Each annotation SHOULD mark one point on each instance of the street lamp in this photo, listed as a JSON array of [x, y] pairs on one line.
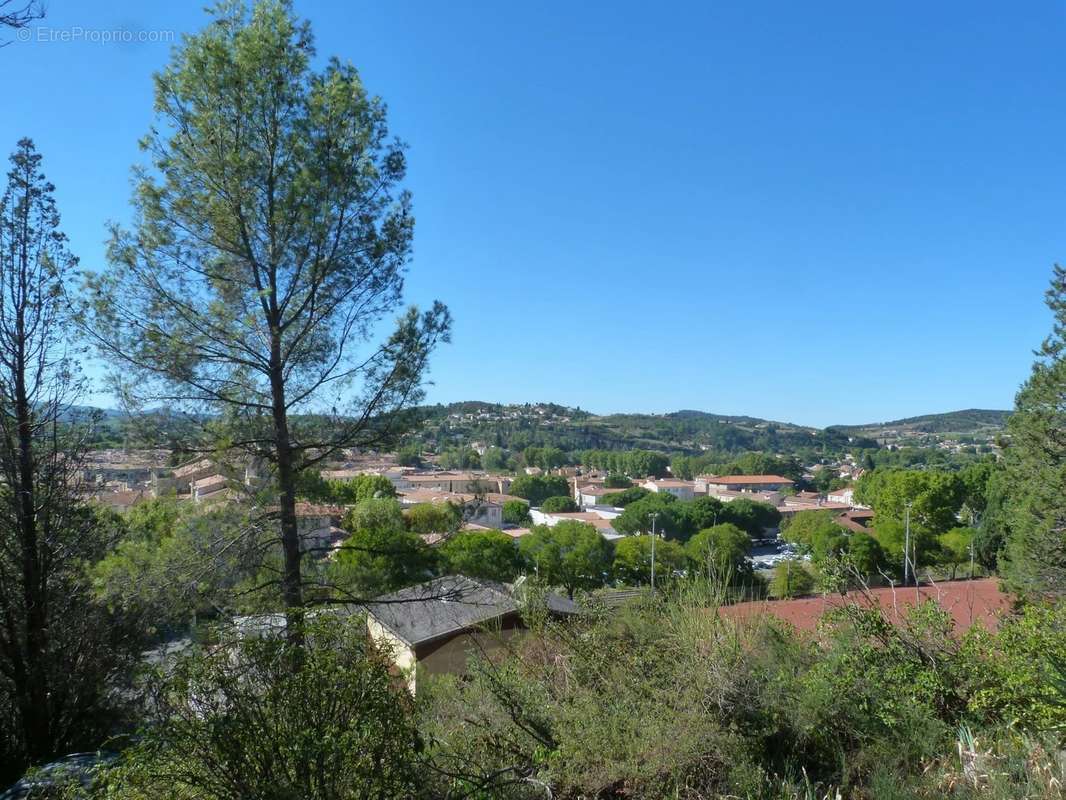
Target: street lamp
[[906, 541], [655, 516]]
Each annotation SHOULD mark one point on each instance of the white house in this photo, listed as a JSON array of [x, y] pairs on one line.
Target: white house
[[682, 490]]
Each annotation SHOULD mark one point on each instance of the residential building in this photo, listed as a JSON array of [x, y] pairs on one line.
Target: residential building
[[845, 495], [185, 475], [486, 509], [592, 494], [857, 520], [461, 482], [319, 528], [210, 488], [715, 484], [682, 490], [599, 518], [435, 627]]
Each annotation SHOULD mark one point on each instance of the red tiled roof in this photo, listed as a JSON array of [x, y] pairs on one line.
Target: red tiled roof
[[968, 603], [747, 479]]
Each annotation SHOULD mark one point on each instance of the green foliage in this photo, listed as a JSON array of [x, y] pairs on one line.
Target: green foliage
[[313, 487], [381, 514], [375, 560], [791, 579], [460, 458], [155, 519], [1011, 674], [666, 699], [494, 460], [516, 512], [410, 455], [381, 555], [570, 554], [659, 507], [558, 505], [426, 518], [721, 550], [631, 463], [995, 521], [1036, 463], [751, 515], [704, 512], [866, 554], [936, 497], [625, 497], [538, 488], [891, 535], [806, 526], [615, 481], [158, 580], [334, 729], [632, 559], [492, 555], [547, 458], [955, 547]]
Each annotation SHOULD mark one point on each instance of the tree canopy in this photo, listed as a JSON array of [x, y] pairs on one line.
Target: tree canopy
[[632, 559], [1036, 463], [571, 554], [270, 238], [721, 549], [482, 554], [538, 488]]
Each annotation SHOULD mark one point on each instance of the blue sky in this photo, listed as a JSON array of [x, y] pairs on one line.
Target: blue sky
[[827, 212]]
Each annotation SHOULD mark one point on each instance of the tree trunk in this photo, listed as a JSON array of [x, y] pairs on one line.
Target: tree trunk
[[34, 699], [291, 581]]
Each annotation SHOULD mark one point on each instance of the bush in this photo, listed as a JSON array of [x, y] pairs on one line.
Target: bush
[[492, 555], [791, 579], [333, 727], [625, 497], [559, 505], [538, 488], [516, 512]]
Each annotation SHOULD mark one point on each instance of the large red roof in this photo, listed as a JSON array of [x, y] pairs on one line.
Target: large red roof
[[968, 602], [747, 479]]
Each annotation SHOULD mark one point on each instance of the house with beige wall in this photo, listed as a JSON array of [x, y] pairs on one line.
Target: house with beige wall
[[434, 628]]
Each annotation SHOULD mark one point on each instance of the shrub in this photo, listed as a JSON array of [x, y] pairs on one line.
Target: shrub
[[559, 504], [334, 727]]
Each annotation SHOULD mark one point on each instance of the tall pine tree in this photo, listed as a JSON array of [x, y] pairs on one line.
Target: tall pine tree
[[1035, 557], [270, 240]]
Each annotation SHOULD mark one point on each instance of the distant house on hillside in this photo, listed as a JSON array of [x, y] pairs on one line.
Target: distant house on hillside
[[435, 627]]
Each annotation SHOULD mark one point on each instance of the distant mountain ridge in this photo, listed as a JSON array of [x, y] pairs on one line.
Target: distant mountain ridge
[[516, 426], [970, 420]]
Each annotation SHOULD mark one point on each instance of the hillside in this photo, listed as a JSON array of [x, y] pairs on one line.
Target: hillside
[[516, 427], [971, 421]]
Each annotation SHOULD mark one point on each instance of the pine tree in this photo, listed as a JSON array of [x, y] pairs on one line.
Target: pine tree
[[58, 650], [270, 240], [1035, 558]]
